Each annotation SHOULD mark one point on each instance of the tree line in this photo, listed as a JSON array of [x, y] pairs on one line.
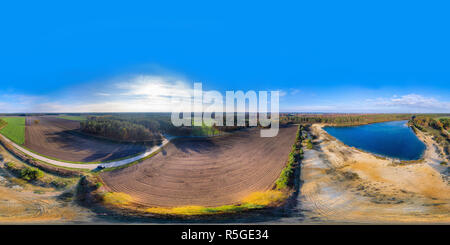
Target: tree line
[[145, 126], [342, 119], [438, 127], [116, 129]]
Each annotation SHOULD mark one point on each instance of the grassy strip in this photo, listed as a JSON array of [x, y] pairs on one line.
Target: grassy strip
[[14, 129], [25, 173], [284, 181], [204, 131], [37, 176]]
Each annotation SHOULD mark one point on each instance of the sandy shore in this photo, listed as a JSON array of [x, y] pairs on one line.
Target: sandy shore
[[343, 184]]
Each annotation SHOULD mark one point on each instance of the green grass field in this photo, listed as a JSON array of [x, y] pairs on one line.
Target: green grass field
[[74, 118], [14, 129]]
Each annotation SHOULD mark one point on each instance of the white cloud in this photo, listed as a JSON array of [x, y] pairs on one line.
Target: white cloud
[[413, 102], [314, 108], [294, 91], [409, 103], [142, 93], [149, 93], [16, 103]]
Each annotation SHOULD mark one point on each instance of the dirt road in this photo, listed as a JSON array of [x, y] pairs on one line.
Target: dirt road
[[89, 166]]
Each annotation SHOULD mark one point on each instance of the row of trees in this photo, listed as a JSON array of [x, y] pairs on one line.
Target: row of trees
[[445, 123], [128, 126], [427, 121], [342, 119], [116, 129], [145, 126], [437, 127], [295, 156]]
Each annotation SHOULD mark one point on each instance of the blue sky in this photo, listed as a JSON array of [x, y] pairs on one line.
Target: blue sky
[[330, 56]]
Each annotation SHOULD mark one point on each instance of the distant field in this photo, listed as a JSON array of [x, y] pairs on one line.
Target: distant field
[[74, 118], [15, 129], [444, 117], [53, 137]]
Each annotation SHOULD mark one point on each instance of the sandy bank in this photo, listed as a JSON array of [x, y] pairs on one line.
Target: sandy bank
[[343, 184]]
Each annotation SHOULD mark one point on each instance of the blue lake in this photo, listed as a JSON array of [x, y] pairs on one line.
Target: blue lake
[[390, 139]]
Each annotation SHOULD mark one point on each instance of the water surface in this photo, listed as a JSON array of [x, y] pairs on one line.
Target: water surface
[[389, 139]]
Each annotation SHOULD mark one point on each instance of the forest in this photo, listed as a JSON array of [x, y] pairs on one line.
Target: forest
[[116, 129], [146, 126], [438, 127]]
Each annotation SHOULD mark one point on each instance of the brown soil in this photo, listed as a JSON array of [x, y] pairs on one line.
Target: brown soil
[[206, 172], [343, 184], [57, 138]]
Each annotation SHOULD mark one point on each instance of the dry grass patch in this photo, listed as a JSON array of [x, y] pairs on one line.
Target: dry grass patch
[[117, 198], [265, 198], [253, 201], [185, 210]]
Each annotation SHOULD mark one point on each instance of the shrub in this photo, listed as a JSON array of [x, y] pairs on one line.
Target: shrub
[[10, 166], [59, 183], [350, 175], [98, 185], [31, 174], [295, 155]]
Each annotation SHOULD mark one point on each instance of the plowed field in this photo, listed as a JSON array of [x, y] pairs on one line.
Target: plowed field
[[206, 172], [57, 138]]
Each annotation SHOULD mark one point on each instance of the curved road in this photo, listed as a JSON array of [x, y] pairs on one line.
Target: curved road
[[90, 166]]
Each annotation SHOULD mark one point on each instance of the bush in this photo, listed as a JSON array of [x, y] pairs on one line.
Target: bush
[[296, 154], [31, 174], [309, 144], [351, 175], [98, 185], [10, 166]]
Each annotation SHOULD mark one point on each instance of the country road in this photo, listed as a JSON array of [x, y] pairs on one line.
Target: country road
[[90, 166]]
